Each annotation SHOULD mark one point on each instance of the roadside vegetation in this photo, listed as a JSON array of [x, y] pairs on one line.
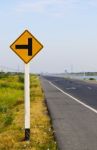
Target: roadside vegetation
[[92, 79], [12, 115]]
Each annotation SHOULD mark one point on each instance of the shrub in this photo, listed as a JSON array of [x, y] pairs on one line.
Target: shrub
[[8, 119], [21, 78], [3, 109], [91, 78]]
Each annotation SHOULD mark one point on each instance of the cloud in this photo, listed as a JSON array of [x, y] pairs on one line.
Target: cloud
[[38, 6], [53, 7], [93, 3]]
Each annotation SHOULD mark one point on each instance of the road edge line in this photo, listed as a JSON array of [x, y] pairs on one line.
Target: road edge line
[[77, 100]]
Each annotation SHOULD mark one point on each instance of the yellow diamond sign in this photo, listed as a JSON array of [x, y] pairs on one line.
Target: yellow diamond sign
[[26, 46]]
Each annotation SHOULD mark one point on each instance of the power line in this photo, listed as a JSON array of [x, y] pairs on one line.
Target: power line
[[8, 69]]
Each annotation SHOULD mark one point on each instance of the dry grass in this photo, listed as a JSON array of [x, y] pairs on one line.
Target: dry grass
[[11, 136]]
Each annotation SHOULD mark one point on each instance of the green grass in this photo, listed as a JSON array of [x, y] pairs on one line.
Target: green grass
[[12, 115], [11, 91]]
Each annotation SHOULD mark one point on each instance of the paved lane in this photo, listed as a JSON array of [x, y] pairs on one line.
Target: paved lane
[[85, 92], [75, 126]]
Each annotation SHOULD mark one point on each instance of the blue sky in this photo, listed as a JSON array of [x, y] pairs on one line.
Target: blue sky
[[66, 28]]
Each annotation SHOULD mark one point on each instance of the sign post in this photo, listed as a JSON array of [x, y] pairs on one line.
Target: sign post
[[27, 103], [26, 47]]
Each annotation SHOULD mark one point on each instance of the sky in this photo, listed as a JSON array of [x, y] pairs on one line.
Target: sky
[[66, 28]]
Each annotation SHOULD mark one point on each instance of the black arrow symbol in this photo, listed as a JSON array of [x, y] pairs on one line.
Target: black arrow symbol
[[29, 46]]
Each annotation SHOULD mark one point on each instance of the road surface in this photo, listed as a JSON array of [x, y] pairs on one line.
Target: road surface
[[72, 105], [84, 91]]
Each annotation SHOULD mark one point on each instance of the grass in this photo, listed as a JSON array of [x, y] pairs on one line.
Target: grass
[[12, 115]]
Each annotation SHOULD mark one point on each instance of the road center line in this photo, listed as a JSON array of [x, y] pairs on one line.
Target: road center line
[[71, 88], [89, 88], [85, 105]]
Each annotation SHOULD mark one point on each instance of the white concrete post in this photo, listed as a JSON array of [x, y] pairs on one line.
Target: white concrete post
[[27, 103]]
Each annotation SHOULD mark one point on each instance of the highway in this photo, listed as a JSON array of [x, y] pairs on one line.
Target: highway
[[84, 91], [72, 105]]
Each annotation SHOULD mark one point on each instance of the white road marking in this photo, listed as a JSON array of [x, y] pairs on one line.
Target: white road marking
[[71, 88], [89, 88], [85, 105]]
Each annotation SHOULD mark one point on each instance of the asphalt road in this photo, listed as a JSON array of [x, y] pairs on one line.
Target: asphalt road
[[75, 126], [84, 91]]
